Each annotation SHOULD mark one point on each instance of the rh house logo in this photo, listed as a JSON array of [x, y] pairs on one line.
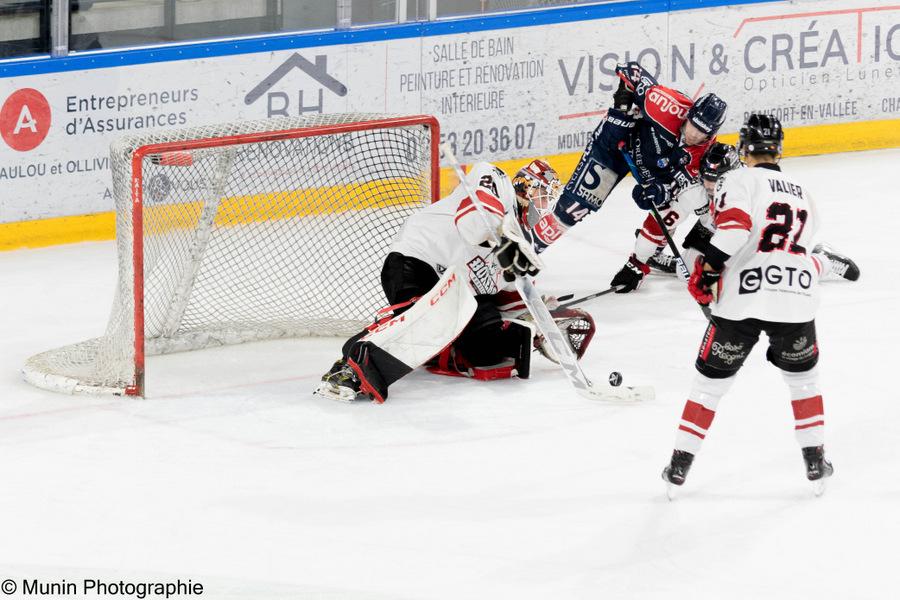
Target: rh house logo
[[279, 103], [25, 119]]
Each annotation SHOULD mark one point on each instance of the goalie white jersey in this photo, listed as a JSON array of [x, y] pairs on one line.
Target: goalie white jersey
[[766, 222], [452, 232]]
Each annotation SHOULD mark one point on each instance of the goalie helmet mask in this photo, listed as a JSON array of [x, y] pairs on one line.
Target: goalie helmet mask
[[537, 188], [761, 134], [707, 114]]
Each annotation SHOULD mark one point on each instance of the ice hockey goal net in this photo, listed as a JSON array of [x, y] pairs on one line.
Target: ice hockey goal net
[[248, 231]]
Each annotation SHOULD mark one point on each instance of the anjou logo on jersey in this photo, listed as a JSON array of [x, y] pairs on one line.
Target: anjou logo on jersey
[[548, 230], [752, 279], [667, 104]]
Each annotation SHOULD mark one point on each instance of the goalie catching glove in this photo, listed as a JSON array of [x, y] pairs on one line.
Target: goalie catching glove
[[577, 327]]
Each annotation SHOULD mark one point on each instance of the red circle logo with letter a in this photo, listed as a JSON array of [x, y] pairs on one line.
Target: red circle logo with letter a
[[25, 119]]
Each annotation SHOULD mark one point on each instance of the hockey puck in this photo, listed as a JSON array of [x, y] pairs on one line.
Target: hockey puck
[[615, 379]]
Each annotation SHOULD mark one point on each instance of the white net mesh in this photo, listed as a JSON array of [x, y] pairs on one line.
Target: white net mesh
[[279, 235]]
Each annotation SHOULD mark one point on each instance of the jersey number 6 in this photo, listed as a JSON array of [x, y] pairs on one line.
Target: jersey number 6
[[775, 236]]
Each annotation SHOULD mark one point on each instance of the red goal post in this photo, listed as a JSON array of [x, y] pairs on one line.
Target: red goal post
[[248, 231]]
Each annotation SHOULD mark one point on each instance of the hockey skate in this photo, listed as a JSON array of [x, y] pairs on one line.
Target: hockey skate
[[841, 266], [662, 262], [676, 471], [339, 383], [818, 468]]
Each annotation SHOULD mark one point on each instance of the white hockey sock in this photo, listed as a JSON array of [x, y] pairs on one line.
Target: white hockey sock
[[699, 411], [806, 400], [823, 263]]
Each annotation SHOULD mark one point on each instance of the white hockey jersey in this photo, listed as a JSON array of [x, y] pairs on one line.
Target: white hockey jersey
[[451, 230], [691, 200], [766, 222]]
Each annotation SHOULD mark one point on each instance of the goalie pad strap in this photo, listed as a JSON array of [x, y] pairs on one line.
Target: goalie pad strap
[[389, 312]]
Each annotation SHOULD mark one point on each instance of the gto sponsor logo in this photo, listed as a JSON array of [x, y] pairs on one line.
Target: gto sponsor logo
[[751, 280]]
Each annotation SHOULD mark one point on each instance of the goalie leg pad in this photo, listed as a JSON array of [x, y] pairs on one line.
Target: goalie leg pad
[[397, 346], [376, 369]]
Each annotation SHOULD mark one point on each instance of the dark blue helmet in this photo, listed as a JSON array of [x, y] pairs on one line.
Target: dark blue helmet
[[708, 113], [761, 133], [718, 160]]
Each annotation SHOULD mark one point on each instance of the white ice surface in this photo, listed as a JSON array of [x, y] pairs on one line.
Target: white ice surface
[[234, 475]]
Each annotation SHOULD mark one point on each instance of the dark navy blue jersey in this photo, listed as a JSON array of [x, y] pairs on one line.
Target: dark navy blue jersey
[[655, 143]]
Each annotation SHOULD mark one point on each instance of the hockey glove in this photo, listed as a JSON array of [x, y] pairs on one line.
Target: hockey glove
[[513, 261], [577, 327], [652, 194], [632, 73], [703, 283], [697, 238], [630, 277], [623, 98]]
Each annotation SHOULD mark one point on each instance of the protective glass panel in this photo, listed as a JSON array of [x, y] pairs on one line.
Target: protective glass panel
[[24, 28]]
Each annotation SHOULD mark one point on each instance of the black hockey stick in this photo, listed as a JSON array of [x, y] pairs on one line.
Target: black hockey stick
[[679, 262], [609, 290]]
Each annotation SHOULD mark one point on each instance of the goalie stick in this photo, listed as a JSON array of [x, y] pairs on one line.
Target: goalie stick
[[682, 269], [546, 325]]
